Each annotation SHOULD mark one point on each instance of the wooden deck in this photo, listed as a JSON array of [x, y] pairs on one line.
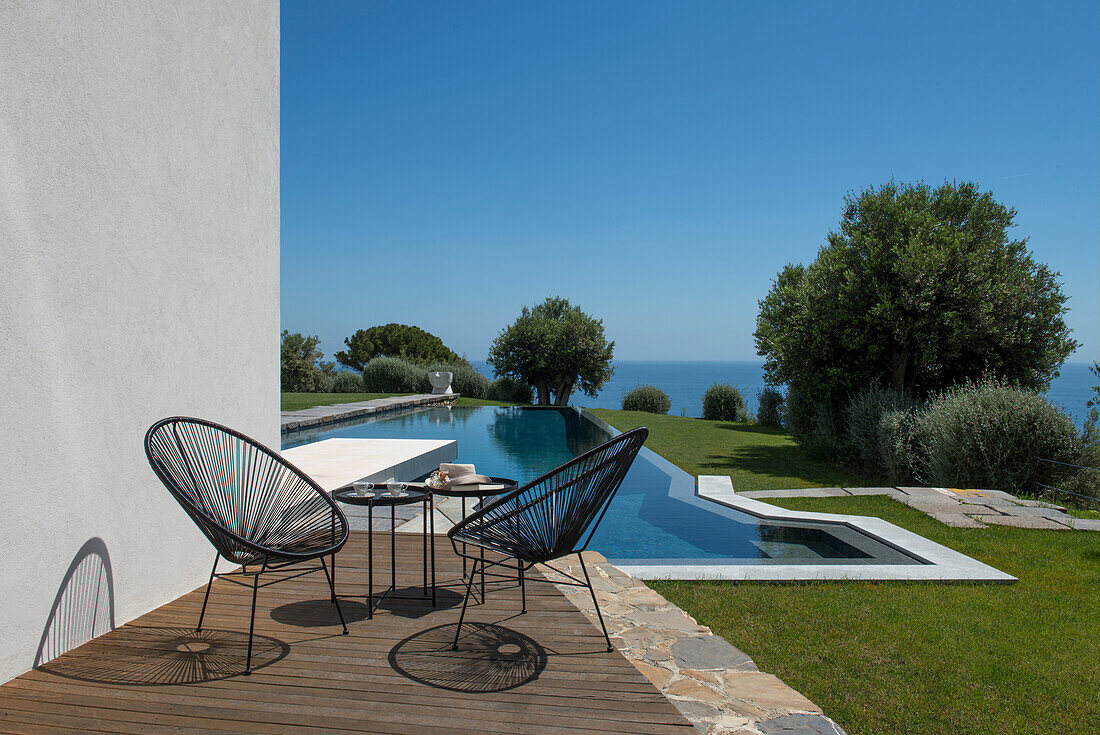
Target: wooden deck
[[546, 671]]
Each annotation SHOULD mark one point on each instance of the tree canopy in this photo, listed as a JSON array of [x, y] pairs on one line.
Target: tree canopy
[[918, 290], [555, 347], [302, 370], [395, 340]]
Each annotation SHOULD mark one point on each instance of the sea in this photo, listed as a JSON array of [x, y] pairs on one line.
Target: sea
[[685, 383]]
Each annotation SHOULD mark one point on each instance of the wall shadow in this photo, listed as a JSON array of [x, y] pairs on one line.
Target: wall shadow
[[490, 658], [84, 606]]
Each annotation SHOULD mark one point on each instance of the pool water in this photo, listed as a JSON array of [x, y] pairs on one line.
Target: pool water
[[656, 517]]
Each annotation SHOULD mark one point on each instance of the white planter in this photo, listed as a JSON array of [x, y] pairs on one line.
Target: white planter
[[441, 383]]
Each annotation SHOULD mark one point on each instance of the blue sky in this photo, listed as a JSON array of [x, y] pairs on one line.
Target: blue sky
[[445, 163]]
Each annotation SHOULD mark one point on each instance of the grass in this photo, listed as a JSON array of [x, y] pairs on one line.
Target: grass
[[930, 659], [298, 401], [755, 457], [1083, 513]]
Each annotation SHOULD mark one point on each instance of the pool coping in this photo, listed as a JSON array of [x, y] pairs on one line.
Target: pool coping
[[308, 418], [942, 564]]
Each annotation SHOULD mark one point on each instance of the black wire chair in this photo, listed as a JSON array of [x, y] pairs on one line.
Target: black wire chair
[[259, 511], [548, 518]]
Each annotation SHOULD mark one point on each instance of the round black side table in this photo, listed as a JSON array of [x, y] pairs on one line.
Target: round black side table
[[382, 498], [498, 486]]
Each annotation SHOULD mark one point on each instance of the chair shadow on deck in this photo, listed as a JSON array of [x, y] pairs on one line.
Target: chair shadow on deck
[[492, 658], [318, 613], [137, 656], [84, 606]]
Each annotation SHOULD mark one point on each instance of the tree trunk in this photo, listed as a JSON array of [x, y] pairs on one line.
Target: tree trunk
[[899, 367], [562, 393], [543, 392]]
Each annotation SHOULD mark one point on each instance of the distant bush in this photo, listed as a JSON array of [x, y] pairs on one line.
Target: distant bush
[[394, 375], [648, 398], [326, 381], [723, 402], [346, 381], [464, 380], [989, 435], [770, 410], [509, 390], [865, 422]]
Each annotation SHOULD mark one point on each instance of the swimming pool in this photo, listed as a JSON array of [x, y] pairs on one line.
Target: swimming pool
[[656, 517]]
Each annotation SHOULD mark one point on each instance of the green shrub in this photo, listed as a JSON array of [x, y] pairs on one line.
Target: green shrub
[[1081, 481], [770, 409], [897, 444], [394, 375], [989, 435], [464, 379], [865, 417], [723, 402], [647, 398], [816, 426], [509, 390], [346, 381]]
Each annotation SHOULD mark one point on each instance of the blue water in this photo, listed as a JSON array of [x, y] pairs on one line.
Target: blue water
[[685, 383], [655, 517]]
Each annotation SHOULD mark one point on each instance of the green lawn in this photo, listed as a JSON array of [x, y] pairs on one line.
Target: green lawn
[[950, 659], [756, 457]]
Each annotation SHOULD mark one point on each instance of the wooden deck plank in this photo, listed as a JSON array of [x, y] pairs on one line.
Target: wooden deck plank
[[392, 674]]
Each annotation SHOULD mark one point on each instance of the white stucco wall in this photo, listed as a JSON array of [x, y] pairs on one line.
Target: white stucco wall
[[139, 278]]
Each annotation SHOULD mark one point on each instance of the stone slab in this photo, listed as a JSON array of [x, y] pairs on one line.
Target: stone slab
[[1037, 522], [1084, 524], [333, 463], [799, 724], [702, 653], [956, 520], [871, 491], [1025, 510]]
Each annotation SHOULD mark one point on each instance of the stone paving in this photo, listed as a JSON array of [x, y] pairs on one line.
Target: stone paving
[[955, 507], [716, 686], [318, 415]]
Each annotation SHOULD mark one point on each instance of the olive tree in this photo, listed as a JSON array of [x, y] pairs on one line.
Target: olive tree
[[919, 289], [555, 347], [395, 340], [301, 367]]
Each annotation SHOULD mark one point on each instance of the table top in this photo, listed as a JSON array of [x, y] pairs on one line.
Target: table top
[[500, 486], [381, 497]]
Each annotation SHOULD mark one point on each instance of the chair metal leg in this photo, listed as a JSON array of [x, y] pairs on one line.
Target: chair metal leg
[[206, 597], [332, 588], [595, 604], [251, 625], [522, 589], [465, 601]]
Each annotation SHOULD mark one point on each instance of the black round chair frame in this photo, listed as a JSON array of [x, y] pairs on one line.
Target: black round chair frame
[[292, 526], [550, 517]]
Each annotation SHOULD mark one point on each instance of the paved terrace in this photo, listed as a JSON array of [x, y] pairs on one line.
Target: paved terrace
[[546, 671]]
